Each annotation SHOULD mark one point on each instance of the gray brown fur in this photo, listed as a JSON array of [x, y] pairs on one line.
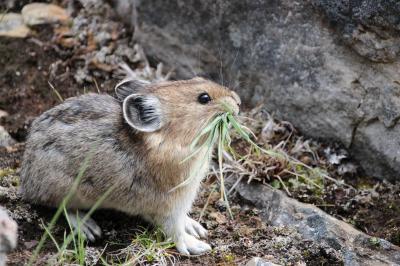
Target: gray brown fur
[[143, 166]]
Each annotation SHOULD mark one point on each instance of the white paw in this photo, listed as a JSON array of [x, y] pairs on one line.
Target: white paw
[[89, 229], [194, 228], [189, 245]]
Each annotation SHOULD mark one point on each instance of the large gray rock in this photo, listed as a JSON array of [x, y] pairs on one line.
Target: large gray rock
[[331, 67], [355, 247]]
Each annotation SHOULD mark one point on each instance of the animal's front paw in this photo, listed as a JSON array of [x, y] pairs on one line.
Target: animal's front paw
[[91, 231], [189, 245], [194, 228]]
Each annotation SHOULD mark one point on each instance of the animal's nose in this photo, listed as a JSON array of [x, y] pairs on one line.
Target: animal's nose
[[237, 101], [232, 104], [236, 110], [237, 98]]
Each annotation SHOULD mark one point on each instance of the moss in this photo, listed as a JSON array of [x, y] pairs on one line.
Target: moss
[[15, 182], [5, 172], [306, 254], [229, 258], [374, 241], [365, 184]]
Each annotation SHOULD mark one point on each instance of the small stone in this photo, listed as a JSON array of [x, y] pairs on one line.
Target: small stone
[[5, 138], [12, 25], [92, 256], [8, 233], [257, 261], [30, 244], [3, 114], [41, 13], [218, 217]]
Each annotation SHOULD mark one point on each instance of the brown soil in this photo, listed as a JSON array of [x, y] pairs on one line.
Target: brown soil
[[24, 80]]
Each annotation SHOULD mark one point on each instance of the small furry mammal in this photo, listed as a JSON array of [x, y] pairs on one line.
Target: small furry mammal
[[137, 142]]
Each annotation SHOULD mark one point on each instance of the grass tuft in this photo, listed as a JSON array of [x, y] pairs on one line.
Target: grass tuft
[[76, 255], [59, 211], [148, 247], [222, 132]]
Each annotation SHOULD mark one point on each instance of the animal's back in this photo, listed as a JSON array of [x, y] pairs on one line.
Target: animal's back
[[61, 139]]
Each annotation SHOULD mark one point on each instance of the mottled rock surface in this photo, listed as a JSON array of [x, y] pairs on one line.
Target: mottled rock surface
[[256, 261], [370, 27], [42, 13], [355, 247], [12, 25], [5, 138], [8, 235], [329, 67]]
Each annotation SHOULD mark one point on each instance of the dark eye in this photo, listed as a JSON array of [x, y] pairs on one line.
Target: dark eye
[[204, 98]]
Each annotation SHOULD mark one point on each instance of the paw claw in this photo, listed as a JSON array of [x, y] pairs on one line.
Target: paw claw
[[89, 228], [195, 229], [188, 244]]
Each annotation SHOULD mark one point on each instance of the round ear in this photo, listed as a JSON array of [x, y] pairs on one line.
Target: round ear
[[143, 112], [128, 87]]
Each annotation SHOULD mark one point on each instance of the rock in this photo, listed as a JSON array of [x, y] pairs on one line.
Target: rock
[[5, 138], [92, 256], [41, 13], [3, 114], [8, 235], [356, 247], [369, 27], [338, 81], [256, 261], [12, 25]]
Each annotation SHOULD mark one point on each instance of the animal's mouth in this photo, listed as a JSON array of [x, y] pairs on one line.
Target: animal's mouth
[[230, 105], [218, 114]]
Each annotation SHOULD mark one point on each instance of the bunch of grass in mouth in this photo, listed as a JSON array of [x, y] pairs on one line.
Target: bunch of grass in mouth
[[217, 132]]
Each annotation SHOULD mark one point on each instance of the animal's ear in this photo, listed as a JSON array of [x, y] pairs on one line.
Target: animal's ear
[[128, 87], [143, 112]]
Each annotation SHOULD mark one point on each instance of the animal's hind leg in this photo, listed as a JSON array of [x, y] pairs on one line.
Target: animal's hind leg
[[89, 228]]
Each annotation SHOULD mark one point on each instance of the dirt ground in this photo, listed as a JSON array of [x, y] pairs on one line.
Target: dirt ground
[[73, 64]]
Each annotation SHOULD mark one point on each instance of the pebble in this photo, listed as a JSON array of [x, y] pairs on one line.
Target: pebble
[[257, 261], [12, 25], [5, 138], [3, 114], [8, 235], [41, 13]]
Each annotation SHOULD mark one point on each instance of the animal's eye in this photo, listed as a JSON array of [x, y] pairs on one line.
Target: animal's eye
[[204, 98]]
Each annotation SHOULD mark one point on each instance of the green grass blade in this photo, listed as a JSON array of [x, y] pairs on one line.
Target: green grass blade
[[87, 215], [209, 128], [239, 128], [209, 144], [60, 209]]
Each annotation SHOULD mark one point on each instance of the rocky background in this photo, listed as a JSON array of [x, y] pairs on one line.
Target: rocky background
[[331, 67]]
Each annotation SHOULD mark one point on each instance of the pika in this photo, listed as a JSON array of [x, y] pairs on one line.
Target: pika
[[138, 142]]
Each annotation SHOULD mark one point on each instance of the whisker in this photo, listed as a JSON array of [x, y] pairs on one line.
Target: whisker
[[231, 68], [221, 67]]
